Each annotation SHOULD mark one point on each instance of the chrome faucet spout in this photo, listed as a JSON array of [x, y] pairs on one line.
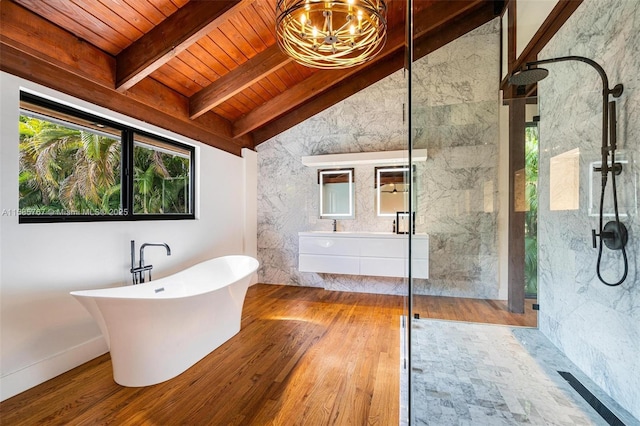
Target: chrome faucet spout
[[138, 273], [165, 245]]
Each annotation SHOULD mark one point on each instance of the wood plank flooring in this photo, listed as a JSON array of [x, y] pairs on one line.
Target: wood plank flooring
[[304, 356], [474, 310]]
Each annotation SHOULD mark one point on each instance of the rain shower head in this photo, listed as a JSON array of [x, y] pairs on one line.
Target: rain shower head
[[613, 234], [528, 76]]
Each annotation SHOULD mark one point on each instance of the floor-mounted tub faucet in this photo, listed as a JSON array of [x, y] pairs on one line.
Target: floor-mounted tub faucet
[[138, 273]]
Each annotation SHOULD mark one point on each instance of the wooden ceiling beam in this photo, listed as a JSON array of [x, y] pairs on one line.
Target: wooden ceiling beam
[[31, 34], [173, 35], [360, 80], [435, 38], [440, 13], [35, 69], [308, 88], [434, 16], [428, 41], [57, 59], [237, 80], [551, 25]]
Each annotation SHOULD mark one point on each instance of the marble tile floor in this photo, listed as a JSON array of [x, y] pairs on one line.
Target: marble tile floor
[[480, 374]]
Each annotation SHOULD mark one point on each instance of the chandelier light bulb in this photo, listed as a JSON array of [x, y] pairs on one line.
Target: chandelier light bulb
[[337, 41]]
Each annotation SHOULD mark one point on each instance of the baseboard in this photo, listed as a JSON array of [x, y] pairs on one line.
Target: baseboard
[[254, 279], [35, 374]]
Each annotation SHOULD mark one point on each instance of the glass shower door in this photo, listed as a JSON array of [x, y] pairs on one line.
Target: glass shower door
[[409, 126], [454, 115]]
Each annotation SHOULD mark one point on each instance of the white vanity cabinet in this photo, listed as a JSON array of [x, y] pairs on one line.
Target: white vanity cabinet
[[363, 253]]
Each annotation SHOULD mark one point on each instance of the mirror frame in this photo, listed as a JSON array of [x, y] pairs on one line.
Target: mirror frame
[[378, 186], [351, 179]]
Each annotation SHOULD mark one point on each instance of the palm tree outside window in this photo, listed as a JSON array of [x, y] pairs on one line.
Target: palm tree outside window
[[75, 167]]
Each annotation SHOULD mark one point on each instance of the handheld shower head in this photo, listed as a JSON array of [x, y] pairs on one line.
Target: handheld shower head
[[613, 234], [528, 76]]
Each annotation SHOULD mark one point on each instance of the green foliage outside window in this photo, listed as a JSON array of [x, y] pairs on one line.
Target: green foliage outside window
[[64, 170], [531, 216], [68, 169], [161, 182]]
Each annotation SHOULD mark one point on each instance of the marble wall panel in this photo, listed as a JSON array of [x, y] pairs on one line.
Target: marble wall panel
[[596, 326], [455, 116]]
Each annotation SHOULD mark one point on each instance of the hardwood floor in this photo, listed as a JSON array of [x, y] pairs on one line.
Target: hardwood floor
[[303, 356], [474, 310]]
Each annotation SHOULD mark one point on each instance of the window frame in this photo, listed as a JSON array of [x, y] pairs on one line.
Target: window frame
[[127, 146]]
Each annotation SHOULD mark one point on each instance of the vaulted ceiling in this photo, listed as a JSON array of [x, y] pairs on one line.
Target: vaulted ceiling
[[208, 69]]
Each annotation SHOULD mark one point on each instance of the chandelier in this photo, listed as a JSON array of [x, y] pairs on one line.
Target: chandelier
[[331, 34]]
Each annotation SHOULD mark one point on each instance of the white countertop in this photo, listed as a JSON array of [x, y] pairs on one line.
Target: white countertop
[[347, 234]]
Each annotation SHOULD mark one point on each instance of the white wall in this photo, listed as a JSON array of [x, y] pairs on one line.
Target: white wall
[[44, 331], [530, 15], [250, 239]]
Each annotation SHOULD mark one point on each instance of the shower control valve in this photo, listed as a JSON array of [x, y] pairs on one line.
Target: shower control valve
[[616, 168], [613, 235]]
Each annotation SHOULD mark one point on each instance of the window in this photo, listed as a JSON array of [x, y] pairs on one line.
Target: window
[[77, 167], [161, 177]]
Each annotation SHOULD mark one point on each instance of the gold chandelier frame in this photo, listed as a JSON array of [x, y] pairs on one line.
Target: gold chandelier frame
[[331, 34]]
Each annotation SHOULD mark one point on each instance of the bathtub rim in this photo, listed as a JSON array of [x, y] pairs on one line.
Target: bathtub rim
[[114, 292]]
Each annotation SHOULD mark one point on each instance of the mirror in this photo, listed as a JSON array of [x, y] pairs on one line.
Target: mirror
[[336, 194], [392, 190]]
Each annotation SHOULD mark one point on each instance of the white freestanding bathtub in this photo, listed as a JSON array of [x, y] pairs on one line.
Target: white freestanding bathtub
[[158, 329]]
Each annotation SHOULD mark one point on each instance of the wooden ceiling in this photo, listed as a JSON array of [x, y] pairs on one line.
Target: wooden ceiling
[[208, 69]]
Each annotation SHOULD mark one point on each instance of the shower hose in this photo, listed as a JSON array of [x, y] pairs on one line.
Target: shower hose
[[615, 207]]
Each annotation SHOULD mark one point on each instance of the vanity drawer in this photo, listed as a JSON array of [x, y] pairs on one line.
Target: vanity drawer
[[329, 246], [383, 267], [383, 247], [420, 268], [329, 264], [387, 267], [420, 248], [362, 254]]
